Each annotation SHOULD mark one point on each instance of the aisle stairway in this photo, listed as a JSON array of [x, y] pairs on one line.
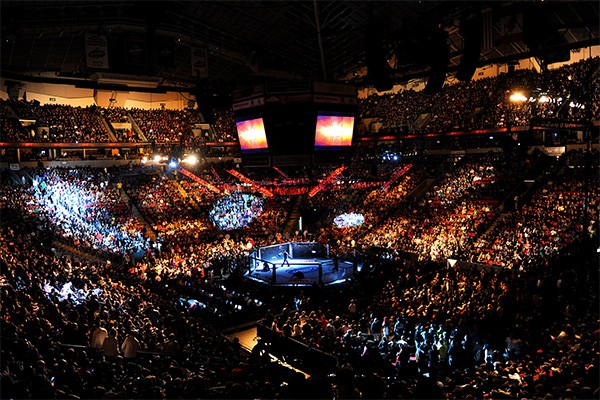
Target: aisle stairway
[[184, 193], [137, 215], [294, 216], [492, 226], [108, 129], [136, 128]]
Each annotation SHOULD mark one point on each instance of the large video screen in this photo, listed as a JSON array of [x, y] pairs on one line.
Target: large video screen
[[334, 130], [252, 135]]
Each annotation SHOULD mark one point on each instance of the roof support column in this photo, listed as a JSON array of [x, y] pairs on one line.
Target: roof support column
[[321, 51]]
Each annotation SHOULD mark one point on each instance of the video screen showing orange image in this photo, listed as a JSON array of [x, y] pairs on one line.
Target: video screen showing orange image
[[334, 130], [252, 135]]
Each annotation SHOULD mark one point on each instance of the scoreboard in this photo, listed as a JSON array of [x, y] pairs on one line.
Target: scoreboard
[[292, 121]]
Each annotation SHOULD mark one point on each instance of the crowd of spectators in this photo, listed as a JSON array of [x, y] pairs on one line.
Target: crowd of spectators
[[115, 114], [163, 205], [454, 211], [146, 326], [236, 211], [58, 123], [166, 126], [486, 103], [224, 126], [128, 339], [84, 207], [464, 333], [563, 210], [12, 129], [567, 93]]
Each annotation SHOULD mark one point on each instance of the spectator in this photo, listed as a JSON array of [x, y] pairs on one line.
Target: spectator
[[110, 346], [98, 336], [131, 346]]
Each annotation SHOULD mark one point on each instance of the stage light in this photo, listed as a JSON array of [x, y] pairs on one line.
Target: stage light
[[156, 158], [544, 99], [191, 159], [173, 164], [144, 160], [517, 97]]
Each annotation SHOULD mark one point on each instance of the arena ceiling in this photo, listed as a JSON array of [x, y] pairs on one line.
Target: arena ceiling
[[361, 42]]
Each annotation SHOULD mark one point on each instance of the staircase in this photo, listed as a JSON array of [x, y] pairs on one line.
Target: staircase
[[490, 228], [422, 120], [136, 128], [138, 216], [16, 176], [293, 218], [108, 128], [418, 192], [185, 194]]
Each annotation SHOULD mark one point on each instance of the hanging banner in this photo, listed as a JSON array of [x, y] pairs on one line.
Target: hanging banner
[[135, 50], [96, 51], [199, 62], [165, 54]]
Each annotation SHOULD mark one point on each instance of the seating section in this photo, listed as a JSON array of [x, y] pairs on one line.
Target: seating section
[[567, 93], [161, 302], [478, 270]]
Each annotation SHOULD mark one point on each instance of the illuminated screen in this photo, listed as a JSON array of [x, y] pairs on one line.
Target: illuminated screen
[[334, 130], [252, 134]]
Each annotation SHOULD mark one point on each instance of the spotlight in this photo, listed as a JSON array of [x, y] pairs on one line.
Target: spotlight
[[517, 97], [173, 164], [191, 159], [156, 158]]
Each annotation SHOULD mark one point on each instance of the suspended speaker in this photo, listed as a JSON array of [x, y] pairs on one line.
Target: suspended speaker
[[471, 30], [377, 67], [439, 62]]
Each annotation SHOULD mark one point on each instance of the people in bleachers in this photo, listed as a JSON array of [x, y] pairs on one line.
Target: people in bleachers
[[224, 125], [83, 207], [58, 123], [410, 322], [566, 93], [166, 126], [485, 103], [563, 210], [465, 292]]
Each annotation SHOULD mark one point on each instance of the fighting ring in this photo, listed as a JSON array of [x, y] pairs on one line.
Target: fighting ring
[[299, 264]]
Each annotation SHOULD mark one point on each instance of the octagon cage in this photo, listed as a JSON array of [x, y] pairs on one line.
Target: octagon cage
[[299, 264]]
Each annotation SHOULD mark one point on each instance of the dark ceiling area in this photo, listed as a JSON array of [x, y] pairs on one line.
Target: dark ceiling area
[[227, 44]]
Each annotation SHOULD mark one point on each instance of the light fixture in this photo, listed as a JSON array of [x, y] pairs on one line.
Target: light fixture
[[517, 97]]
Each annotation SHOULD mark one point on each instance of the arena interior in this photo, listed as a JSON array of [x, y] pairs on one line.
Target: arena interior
[[299, 199]]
